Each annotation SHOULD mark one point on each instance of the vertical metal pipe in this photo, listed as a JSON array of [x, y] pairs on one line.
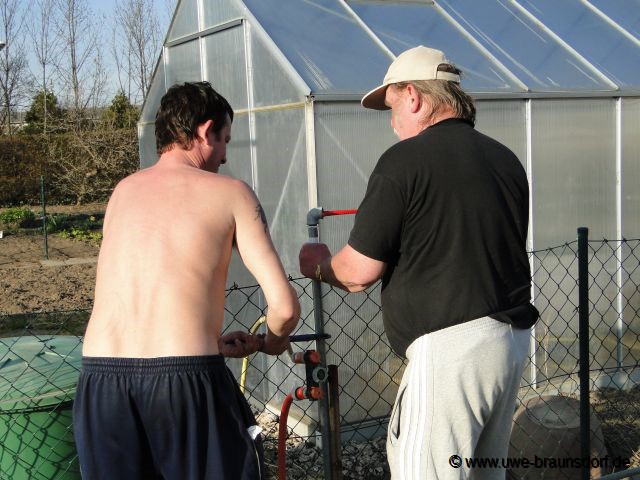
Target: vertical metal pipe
[[44, 218], [323, 404], [620, 325], [313, 218], [533, 344], [583, 335], [334, 417]]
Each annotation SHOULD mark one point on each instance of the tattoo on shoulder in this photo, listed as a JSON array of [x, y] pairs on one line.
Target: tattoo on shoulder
[[263, 218]]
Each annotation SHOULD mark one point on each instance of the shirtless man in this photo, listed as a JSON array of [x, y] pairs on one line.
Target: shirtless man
[[155, 399]]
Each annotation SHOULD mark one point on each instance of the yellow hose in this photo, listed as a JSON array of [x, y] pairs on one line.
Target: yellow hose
[[245, 360]]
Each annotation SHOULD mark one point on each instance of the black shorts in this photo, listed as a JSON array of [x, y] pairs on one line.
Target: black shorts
[[173, 418]]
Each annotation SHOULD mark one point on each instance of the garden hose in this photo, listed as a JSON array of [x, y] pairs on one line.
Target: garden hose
[[245, 360], [282, 437]]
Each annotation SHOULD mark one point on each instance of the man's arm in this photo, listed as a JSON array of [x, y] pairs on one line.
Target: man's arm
[[260, 257], [348, 269]]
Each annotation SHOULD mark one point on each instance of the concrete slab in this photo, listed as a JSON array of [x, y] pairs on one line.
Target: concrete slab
[[68, 261]]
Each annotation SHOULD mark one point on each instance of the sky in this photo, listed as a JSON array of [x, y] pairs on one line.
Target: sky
[[106, 8]]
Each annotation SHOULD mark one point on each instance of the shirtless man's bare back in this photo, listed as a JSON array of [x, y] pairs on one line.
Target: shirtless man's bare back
[[162, 269]]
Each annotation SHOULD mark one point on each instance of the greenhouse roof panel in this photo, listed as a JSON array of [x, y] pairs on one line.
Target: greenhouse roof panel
[[342, 48], [402, 26], [324, 43], [532, 52], [625, 13], [590, 33]]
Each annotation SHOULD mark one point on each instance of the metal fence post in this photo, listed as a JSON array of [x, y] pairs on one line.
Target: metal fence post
[[43, 199], [583, 335]]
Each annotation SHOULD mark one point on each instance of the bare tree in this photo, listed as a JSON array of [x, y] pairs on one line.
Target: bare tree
[[123, 65], [15, 77], [41, 32], [140, 41], [80, 68]]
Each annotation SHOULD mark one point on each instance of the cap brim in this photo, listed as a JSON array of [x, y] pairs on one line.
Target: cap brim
[[375, 98]]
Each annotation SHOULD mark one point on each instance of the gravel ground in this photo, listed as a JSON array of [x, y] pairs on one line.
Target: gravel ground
[[360, 460]]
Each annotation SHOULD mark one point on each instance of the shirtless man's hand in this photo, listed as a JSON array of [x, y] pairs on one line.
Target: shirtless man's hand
[[240, 344]]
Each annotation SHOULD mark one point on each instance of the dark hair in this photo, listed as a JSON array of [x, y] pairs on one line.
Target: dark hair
[[183, 108]]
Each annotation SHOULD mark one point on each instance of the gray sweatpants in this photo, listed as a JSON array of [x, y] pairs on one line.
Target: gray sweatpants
[[457, 397]]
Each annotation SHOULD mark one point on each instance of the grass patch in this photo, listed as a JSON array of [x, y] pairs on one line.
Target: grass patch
[[87, 228]]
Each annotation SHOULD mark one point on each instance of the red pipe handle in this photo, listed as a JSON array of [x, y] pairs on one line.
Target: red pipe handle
[[329, 213]]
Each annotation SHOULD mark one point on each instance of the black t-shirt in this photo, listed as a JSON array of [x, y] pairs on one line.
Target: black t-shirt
[[447, 211]]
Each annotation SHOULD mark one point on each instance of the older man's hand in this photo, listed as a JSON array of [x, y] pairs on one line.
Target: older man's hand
[[240, 344], [311, 255]]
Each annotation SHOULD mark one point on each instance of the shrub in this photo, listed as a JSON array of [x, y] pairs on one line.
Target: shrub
[[17, 217], [83, 234]]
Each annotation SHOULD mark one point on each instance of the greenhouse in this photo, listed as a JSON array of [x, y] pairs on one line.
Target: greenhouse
[[557, 82]]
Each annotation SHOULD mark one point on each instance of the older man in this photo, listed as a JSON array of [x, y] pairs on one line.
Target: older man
[[444, 224], [155, 399]]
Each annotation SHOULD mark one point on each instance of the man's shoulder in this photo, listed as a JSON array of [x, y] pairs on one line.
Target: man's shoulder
[[399, 157], [199, 182], [233, 184]]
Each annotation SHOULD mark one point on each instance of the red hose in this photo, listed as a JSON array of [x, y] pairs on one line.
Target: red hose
[[329, 213], [282, 437]]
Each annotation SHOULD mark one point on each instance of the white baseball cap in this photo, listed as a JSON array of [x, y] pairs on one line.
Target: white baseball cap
[[419, 63]]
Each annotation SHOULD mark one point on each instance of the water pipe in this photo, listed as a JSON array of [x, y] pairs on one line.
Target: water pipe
[[245, 360], [316, 375]]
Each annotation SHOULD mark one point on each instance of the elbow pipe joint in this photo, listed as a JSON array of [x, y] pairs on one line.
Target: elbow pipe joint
[[314, 216]]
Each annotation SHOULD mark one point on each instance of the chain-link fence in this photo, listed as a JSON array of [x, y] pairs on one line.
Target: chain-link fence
[[40, 355]]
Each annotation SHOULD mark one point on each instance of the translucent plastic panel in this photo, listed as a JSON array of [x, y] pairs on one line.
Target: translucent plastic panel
[[324, 44], [625, 13], [238, 151], [574, 169], [349, 142], [155, 93], [631, 168], [282, 180], [369, 372], [185, 20], [631, 229], [523, 46], [225, 65], [555, 278], [504, 121], [147, 147], [219, 12], [271, 84], [402, 26], [615, 55], [629, 329], [554, 273], [183, 63], [604, 291]]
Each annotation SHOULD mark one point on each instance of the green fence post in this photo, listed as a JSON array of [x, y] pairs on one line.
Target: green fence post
[[44, 218], [583, 336]]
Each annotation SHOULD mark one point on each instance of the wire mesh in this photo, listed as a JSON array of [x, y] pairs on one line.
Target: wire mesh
[[546, 416]]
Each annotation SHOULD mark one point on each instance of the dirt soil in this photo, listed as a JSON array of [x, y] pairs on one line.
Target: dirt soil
[[29, 283]]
